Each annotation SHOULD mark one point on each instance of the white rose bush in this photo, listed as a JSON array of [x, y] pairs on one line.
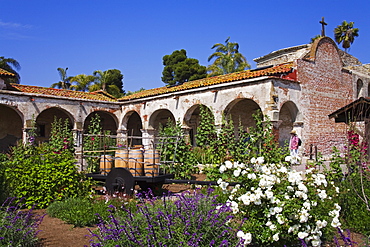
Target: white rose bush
[[278, 205]]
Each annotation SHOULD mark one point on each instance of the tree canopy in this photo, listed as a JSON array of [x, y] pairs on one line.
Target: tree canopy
[[345, 34], [64, 82], [109, 81], [11, 65], [228, 59], [179, 68], [82, 82]]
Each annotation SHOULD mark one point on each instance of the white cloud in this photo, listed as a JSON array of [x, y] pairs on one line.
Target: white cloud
[[13, 25]]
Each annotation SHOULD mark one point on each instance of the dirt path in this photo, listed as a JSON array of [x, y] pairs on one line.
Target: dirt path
[[56, 233]]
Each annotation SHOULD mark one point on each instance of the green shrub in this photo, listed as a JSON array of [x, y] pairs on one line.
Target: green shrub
[[46, 173], [174, 148], [354, 183], [41, 176], [356, 216], [79, 211]]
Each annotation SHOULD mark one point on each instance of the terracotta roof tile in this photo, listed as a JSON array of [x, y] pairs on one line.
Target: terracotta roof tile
[[246, 74], [97, 95], [3, 72]]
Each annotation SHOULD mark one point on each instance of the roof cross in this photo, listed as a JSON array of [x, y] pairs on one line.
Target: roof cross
[[323, 24]]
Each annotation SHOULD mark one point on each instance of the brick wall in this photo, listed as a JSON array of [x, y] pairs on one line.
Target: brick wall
[[325, 88]]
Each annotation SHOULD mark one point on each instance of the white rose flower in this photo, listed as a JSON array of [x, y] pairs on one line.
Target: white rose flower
[[272, 227], [228, 164], [247, 237], [322, 194], [280, 219], [252, 176], [276, 237], [302, 187], [293, 228], [260, 160], [335, 222], [302, 235], [278, 210], [269, 194], [316, 242], [222, 168], [321, 224], [253, 160], [223, 185], [237, 172]]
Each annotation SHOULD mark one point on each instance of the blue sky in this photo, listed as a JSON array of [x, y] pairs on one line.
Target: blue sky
[[134, 35]]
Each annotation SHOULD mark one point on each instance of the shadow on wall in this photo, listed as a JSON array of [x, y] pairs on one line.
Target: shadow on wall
[[7, 142]]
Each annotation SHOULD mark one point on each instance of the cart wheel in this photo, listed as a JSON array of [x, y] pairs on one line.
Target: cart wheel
[[156, 188], [119, 180]]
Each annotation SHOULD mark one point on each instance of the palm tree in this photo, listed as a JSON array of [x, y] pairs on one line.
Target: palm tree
[[345, 33], [10, 65], [64, 82], [82, 82], [101, 80], [228, 59]]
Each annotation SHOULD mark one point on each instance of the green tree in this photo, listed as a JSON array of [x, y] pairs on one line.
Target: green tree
[[109, 81], [345, 34], [133, 92], [10, 65], [179, 68], [82, 82], [228, 59], [64, 82]]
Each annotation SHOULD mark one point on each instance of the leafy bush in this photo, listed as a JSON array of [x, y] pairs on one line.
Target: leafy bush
[[46, 173], [354, 182], [173, 147], [189, 219], [41, 176], [18, 228], [355, 212], [79, 211]]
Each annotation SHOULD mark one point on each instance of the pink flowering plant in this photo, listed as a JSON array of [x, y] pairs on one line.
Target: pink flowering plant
[[282, 206]]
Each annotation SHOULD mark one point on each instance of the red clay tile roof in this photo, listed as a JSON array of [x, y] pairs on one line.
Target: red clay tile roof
[[97, 95], [246, 74], [3, 72]]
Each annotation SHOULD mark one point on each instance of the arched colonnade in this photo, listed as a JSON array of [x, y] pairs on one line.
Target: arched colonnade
[[126, 120]]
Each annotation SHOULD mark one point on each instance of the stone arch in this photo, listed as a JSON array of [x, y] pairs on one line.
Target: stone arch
[[134, 125], [109, 121], [160, 118], [11, 124], [192, 120], [359, 88], [289, 114], [46, 118], [241, 112]]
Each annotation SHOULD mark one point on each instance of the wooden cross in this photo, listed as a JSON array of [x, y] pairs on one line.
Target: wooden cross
[[323, 24]]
